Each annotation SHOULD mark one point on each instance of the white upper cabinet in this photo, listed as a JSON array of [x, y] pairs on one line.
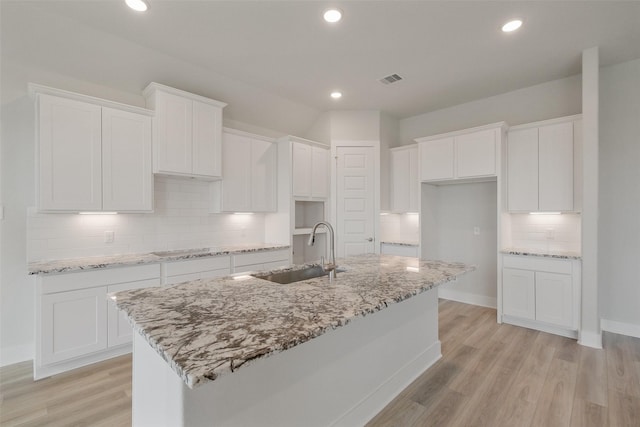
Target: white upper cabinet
[[470, 154], [250, 173], [187, 132], [92, 157], [405, 184], [310, 170], [540, 164]]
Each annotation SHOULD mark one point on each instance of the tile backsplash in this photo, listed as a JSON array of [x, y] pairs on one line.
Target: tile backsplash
[[400, 228], [546, 232], [180, 220]]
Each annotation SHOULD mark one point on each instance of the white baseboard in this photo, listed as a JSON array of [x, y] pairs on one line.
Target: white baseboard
[[590, 339], [467, 298], [621, 328], [16, 354]]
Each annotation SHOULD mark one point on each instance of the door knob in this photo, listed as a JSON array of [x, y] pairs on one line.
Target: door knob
[[370, 239]]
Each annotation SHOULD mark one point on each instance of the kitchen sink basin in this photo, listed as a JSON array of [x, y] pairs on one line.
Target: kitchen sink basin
[[291, 276]]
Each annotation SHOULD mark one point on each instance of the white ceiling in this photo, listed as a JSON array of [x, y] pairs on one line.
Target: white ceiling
[[448, 52]]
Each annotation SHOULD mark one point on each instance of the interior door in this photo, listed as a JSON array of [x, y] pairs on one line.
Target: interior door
[[355, 201]]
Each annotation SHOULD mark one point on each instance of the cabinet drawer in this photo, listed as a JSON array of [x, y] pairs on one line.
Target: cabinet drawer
[[95, 278], [550, 265], [260, 257], [176, 268], [172, 280]]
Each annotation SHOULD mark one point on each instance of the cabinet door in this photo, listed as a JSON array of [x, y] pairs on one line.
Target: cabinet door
[[400, 177], [127, 177], [555, 145], [207, 136], [119, 330], [436, 160], [263, 176], [518, 293], [522, 170], [70, 176], [414, 180], [319, 172], [301, 169], [476, 154], [73, 324], [236, 163], [554, 298], [173, 134]]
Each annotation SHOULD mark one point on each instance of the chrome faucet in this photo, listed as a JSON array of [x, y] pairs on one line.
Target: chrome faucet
[[331, 267]]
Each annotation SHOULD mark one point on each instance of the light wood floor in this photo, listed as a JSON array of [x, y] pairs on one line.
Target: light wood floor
[[489, 375]]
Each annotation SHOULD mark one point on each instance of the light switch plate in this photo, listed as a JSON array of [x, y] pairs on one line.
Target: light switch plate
[[109, 236]]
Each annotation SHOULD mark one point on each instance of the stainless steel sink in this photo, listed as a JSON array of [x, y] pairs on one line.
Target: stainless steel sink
[[291, 276]]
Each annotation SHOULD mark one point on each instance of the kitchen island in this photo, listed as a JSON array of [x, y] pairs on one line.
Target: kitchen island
[[340, 351]]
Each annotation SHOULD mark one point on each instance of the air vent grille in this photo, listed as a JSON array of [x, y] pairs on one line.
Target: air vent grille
[[390, 79]]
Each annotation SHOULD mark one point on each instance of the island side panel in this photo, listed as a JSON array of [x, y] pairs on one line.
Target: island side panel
[[341, 378]]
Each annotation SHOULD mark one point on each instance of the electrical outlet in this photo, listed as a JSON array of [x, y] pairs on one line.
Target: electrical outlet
[[109, 236], [550, 234], [476, 231]]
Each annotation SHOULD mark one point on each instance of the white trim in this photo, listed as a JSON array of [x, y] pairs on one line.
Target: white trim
[[556, 120], [467, 298], [500, 125], [590, 339], [540, 326], [153, 86], [38, 89], [44, 371], [247, 134], [16, 354], [622, 328], [403, 147], [292, 138]]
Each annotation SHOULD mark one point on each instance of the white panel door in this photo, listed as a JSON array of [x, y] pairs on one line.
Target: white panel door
[[355, 201], [127, 176], [174, 133], [436, 160], [73, 324], [476, 154], [119, 329], [236, 164], [554, 298], [70, 176], [263, 176], [522, 170], [319, 172], [555, 144], [301, 169], [400, 178], [518, 293], [207, 144]]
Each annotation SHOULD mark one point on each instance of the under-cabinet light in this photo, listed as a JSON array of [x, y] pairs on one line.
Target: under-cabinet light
[[545, 213], [413, 213], [97, 213], [243, 213]]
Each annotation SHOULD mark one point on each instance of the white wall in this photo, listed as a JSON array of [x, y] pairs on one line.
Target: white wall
[[389, 137], [619, 204], [557, 98], [360, 125]]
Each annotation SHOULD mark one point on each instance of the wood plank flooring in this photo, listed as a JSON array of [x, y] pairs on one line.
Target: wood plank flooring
[[489, 375]]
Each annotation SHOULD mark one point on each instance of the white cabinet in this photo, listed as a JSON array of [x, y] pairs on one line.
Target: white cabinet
[[194, 269], [187, 132], [540, 166], [250, 173], [405, 182], [470, 154], [310, 170], [541, 293], [92, 157], [260, 261], [76, 324]]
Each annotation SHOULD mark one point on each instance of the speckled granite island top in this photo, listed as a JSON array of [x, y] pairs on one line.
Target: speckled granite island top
[[91, 263], [541, 253], [210, 327]]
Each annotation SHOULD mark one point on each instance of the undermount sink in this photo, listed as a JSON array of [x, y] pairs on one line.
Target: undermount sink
[[291, 276]]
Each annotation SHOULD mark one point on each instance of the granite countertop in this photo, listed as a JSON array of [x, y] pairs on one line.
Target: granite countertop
[[542, 253], [90, 263], [399, 243], [210, 327]]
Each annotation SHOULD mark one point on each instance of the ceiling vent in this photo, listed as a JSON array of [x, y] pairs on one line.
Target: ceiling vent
[[390, 79]]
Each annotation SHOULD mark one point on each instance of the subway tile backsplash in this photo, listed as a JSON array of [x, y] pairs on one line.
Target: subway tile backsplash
[[400, 228], [546, 232], [180, 220]]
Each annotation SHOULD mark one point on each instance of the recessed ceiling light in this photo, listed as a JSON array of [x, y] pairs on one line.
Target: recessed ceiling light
[[336, 95], [137, 5], [512, 25], [332, 15]]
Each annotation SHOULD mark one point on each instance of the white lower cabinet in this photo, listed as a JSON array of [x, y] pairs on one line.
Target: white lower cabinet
[[259, 261], [194, 269], [76, 324], [542, 293]]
